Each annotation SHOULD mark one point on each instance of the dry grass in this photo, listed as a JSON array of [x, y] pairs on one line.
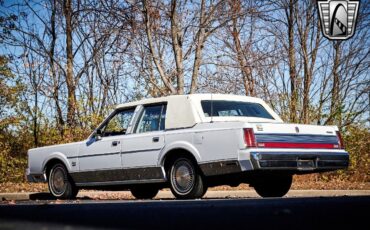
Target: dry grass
[[10, 187]]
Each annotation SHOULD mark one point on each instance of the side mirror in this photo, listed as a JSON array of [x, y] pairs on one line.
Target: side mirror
[[98, 135]]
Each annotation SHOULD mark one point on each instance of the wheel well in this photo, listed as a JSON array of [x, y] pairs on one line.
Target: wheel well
[[50, 164], [176, 153]]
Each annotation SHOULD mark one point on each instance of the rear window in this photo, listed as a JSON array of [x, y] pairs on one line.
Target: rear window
[[234, 109]]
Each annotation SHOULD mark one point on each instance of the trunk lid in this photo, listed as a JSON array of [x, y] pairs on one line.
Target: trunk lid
[[280, 135]]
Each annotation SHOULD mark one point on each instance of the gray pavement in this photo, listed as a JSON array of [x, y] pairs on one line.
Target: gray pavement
[[340, 212], [168, 195]]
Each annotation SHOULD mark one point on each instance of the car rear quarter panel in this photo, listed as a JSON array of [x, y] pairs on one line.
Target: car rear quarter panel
[[207, 141], [179, 140]]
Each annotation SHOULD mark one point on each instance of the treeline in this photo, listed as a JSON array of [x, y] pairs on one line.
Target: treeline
[[65, 63]]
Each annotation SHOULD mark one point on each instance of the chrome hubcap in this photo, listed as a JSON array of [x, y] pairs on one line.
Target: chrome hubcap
[[58, 181], [183, 176]]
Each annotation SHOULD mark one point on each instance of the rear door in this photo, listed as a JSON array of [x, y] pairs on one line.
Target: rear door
[[141, 148]]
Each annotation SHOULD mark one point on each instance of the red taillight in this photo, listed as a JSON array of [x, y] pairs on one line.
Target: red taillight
[[340, 140], [249, 138]]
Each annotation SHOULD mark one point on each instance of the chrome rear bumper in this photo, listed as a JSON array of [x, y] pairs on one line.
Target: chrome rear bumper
[[300, 161]]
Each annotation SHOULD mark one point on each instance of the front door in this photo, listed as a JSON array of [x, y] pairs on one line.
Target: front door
[[100, 159]]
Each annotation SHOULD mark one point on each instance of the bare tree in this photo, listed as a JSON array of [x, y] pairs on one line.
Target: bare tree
[[243, 53], [98, 53], [309, 37], [70, 80], [207, 19], [289, 11]]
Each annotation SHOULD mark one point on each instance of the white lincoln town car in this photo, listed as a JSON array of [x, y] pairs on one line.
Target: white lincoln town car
[[189, 143]]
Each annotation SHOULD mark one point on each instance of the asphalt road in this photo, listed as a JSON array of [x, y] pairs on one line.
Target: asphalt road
[[345, 212]]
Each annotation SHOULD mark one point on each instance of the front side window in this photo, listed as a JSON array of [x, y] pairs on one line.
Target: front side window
[[234, 108], [152, 119], [119, 123]]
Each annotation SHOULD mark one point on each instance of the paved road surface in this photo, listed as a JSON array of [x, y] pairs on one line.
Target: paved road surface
[[166, 194], [345, 212]]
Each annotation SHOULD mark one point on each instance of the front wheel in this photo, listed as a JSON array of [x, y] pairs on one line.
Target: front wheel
[[273, 185], [186, 180], [60, 183]]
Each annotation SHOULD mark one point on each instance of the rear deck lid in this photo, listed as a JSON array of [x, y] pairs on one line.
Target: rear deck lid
[[270, 135]]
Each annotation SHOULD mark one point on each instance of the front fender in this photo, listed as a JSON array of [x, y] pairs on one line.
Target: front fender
[[178, 145], [57, 156]]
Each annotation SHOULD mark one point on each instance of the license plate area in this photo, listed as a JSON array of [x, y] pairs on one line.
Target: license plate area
[[306, 164]]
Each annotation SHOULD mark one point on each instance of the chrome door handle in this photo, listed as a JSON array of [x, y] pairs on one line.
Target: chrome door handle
[[155, 139], [115, 143]]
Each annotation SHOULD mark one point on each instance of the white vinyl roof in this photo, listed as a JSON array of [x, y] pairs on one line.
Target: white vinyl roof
[[186, 111]]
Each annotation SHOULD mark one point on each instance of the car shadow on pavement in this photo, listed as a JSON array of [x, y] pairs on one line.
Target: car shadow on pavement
[[44, 196], [48, 196]]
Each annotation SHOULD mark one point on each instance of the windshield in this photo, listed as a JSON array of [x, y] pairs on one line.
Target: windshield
[[234, 108]]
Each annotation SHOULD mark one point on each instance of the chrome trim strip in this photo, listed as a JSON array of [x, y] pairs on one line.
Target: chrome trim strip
[[295, 134], [219, 160], [112, 175], [272, 153], [181, 128], [107, 154], [220, 167], [296, 138], [139, 151], [121, 182], [94, 155], [293, 160], [127, 168]]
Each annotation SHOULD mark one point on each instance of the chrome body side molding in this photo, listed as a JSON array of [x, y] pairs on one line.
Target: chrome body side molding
[[118, 176]]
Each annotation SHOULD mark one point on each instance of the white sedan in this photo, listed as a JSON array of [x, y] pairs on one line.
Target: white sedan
[[189, 143]]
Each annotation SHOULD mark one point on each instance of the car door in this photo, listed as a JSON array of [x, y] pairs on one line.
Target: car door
[[100, 157], [141, 148]]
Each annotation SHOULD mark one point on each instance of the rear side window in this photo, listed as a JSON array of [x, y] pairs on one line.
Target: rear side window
[[234, 108], [152, 119]]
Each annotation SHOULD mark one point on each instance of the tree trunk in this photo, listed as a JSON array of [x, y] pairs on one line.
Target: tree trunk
[[248, 81], [71, 84], [155, 57], [35, 120], [308, 26], [200, 38], [55, 93], [177, 47], [335, 107], [292, 65]]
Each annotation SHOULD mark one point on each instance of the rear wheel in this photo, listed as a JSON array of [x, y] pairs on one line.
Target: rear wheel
[[273, 185], [186, 180], [144, 192], [61, 185]]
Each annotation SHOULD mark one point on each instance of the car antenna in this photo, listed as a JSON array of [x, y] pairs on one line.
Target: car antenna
[[211, 107]]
